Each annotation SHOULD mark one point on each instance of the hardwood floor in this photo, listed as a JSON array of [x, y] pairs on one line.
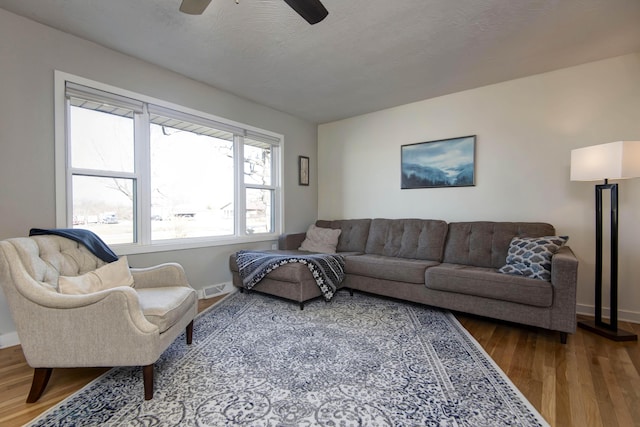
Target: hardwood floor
[[590, 381]]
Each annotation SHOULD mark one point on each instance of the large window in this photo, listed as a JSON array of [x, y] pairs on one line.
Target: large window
[[141, 172]]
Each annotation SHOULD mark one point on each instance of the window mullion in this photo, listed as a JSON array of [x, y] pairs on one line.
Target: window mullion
[[241, 190], [68, 217], [276, 183], [143, 176]]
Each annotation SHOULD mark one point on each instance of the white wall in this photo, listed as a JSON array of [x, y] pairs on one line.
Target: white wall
[[525, 129], [29, 54]]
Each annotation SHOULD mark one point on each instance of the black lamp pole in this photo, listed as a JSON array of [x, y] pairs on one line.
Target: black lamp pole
[[609, 330]]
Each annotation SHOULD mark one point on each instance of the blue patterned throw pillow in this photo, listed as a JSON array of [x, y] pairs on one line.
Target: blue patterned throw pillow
[[531, 256]]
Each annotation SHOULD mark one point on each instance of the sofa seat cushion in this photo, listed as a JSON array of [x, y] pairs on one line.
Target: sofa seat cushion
[[165, 306], [488, 283], [388, 268]]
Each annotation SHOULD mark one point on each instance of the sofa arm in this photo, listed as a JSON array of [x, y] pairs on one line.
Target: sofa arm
[[168, 274], [564, 268], [291, 241], [564, 278]]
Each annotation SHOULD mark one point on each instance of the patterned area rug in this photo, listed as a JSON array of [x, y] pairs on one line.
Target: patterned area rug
[[354, 361]]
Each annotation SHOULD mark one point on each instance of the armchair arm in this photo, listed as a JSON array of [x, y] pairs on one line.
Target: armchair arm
[[65, 301], [105, 328], [117, 300], [168, 274], [110, 332]]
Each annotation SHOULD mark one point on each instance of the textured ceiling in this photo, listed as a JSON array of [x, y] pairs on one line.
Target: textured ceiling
[[365, 56]]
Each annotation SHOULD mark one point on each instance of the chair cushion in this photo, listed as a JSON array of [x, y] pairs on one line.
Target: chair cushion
[[67, 257], [165, 306], [108, 276]]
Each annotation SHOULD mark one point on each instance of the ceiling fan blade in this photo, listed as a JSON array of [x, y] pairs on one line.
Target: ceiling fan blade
[[194, 7], [311, 10]]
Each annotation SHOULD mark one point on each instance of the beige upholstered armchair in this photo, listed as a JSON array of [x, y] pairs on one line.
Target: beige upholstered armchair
[[129, 325]]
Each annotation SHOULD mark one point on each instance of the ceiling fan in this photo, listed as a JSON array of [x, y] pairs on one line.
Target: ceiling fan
[[311, 10]]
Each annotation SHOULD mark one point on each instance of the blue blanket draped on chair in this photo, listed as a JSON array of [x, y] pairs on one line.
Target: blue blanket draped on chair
[[88, 238], [327, 269]]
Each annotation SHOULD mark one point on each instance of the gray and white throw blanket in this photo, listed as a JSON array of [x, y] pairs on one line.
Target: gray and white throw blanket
[[327, 269]]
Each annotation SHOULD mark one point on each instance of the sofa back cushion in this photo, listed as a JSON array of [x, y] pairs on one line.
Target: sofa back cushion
[[485, 244], [353, 237], [407, 238]]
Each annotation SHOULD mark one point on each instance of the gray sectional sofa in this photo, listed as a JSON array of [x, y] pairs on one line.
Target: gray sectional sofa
[[452, 266]]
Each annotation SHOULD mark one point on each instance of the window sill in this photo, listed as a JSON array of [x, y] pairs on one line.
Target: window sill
[[132, 249]]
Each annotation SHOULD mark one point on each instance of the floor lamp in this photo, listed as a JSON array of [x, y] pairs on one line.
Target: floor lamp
[[615, 160]]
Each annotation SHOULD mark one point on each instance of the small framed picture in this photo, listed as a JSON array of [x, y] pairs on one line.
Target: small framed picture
[[303, 170]]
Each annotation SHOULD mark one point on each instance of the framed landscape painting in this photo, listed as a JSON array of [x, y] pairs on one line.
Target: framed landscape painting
[[443, 163]]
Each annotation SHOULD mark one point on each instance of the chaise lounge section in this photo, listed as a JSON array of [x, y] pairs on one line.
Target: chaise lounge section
[[453, 266]]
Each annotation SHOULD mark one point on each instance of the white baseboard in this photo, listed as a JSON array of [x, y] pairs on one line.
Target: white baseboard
[[623, 315], [215, 290], [9, 339]]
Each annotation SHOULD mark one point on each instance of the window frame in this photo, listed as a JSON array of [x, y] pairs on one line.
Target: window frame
[[142, 208]]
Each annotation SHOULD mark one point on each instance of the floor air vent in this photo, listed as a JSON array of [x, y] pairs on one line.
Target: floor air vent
[[212, 291]]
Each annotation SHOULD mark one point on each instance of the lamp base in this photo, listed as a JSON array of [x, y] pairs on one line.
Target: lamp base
[[615, 335]]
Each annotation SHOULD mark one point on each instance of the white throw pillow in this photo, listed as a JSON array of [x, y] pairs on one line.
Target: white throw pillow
[[108, 276], [322, 240]]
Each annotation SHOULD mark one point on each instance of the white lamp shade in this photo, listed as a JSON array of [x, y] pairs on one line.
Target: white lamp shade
[[615, 160]]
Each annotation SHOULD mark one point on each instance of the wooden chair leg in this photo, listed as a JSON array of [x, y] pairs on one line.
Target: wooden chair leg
[[189, 332], [147, 377], [40, 379]]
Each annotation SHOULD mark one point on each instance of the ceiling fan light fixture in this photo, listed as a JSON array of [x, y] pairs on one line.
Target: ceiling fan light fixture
[[194, 7], [311, 10]]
